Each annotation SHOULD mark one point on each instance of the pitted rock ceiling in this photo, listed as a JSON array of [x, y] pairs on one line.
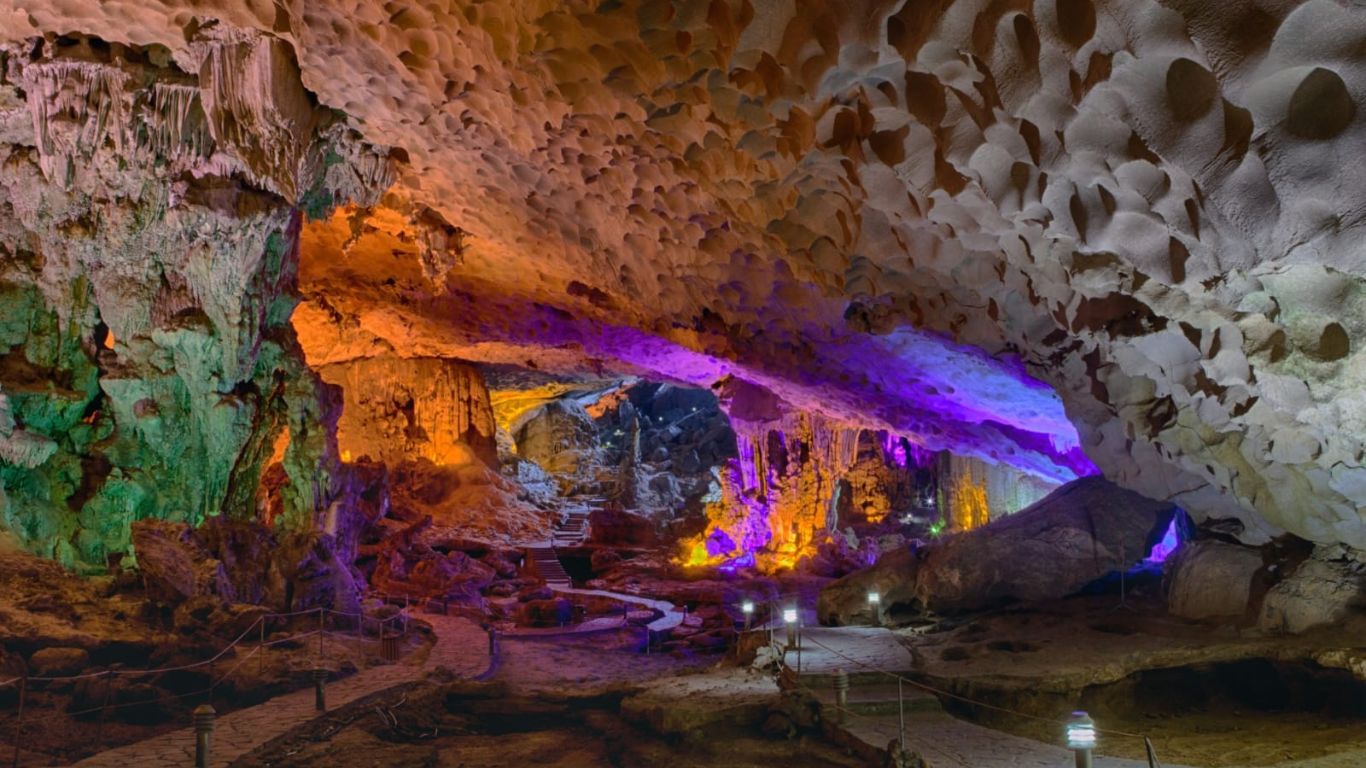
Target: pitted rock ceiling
[[1154, 208]]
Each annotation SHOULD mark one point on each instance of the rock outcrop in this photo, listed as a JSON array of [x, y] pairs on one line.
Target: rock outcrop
[[1075, 535], [1213, 580], [244, 563], [1322, 591], [150, 209], [401, 409]]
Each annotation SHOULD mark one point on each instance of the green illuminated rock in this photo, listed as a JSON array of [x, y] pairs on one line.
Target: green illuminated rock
[[149, 224]]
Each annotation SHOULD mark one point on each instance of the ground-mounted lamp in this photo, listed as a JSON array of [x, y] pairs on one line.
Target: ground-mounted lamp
[[790, 620], [875, 605], [1081, 738], [747, 608]]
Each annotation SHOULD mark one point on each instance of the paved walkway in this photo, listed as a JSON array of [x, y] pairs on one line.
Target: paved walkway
[[461, 646], [872, 713]]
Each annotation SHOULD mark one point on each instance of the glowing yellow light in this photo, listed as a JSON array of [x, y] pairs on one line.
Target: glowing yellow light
[[970, 508], [346, 456]]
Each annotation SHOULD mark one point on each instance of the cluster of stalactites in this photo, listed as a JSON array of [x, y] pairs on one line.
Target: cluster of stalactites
[[779, 497], [247, 113]]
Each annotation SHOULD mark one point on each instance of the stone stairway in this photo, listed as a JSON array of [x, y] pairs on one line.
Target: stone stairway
[[569, 532], [546, 564], [573, 528]]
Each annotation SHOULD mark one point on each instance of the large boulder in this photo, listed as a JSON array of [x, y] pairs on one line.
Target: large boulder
[[1075, 535], [614, 526], [175, 564], [845, 601], [1072, 537], [1323, 590], [1212, 580], [561, 438], [244, 562], [420, 572]]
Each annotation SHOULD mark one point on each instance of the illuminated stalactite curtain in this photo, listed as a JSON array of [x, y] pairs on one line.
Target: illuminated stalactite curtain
[[977, 492], [779, 497]]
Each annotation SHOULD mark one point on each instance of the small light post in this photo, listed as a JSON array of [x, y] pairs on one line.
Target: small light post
[[841, 694], [203, 734], [747, 608], [1081, 738], [875, 605], [319, 689], [790, 620]]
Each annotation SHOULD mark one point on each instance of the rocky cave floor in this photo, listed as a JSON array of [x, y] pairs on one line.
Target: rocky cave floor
[[73, 626], [1205, 696]]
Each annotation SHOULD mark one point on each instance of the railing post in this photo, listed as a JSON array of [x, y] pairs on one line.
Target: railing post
[[104, 708], [19, 719], [261, 661], [841, 694], [321, 616], [203, 734], [320, 689], [901, 714]]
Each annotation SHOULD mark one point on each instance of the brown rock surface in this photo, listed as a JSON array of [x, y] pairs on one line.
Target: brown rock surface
[[1211, 579]]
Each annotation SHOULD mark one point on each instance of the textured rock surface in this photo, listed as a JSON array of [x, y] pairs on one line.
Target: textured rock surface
[[246, 563], [149, 216], [1072, 537], [398, 409], [1324, 590], [1212, 579], [845, 602], [1143, 203]]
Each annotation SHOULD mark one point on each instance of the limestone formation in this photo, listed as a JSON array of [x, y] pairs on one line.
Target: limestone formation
[[149, 215], [1075, 535], [1066, 236], [398, 409], [1213, 580]]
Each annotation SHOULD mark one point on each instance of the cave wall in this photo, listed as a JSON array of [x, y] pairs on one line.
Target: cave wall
[[149, 221], [1142, 204], [399, 409]]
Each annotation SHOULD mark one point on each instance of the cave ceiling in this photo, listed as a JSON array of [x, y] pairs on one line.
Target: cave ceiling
[[1065, 234]]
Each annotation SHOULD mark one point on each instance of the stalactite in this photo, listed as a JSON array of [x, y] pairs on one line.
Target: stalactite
[[257, 105], [775, 508], [76, 106], [400, 409], [175, 126]]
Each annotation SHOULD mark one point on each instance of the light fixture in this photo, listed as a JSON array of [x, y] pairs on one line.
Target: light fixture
[[790, 619], [874, 598], [1081, 738], [747, 607]]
